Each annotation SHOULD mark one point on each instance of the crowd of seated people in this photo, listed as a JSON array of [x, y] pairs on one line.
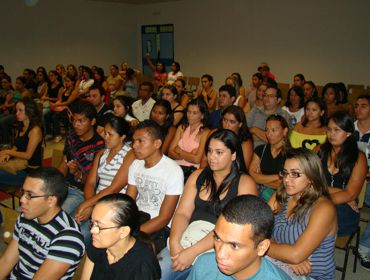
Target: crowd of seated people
[[182, 156]]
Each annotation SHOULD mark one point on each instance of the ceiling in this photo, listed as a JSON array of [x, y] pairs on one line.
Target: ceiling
[[137, 2]]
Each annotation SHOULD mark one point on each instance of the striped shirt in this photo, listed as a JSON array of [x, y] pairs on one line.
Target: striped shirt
[[322, 258], [58, 240], [108, 170]]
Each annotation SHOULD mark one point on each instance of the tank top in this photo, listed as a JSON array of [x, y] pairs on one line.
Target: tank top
[[21, 143], [210, 211], [322, 258], [188, 142], [53, 92]]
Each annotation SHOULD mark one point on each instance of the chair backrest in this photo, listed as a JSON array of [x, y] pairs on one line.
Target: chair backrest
[[193, 83], [361, 196], [354, 91], [319, 89], [56, 158], [284, 87]]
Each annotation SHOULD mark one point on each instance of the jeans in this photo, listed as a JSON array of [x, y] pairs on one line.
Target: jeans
[[74, 199], [365, 239], [367, 195], [166, 263], [9, 179]]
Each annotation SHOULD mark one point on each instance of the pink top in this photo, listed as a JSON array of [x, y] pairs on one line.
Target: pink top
[[188, 142]]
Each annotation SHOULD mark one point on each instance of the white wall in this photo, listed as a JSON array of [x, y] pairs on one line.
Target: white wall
[[68, 31], [325, 40]]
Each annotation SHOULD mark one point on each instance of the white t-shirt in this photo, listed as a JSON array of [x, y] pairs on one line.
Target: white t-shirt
[[165, 178], [142, 111], [171, 78]]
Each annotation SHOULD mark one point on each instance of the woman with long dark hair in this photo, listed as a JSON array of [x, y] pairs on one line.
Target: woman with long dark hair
[[345, 169], [205, 194], [116, 251]]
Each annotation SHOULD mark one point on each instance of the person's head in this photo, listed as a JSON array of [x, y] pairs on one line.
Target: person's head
[[87, 74], [26, 110], [43, 192], [257, 79], [238, 78], [130, 74], [207, 81], [362, 107], [232, 81], [60, 69], [169, 93], [224, 152], [277, 130], [121, 106], [42, 77], [116, 131], [309, 89], [147, 139], [271, 98], [314, 110], [2, 69], [161, 113], [96, 96], [53, 77], [99, 76], [261, 91], [330, 94], [180, 85], [340, 129], [114, 70], [175, 67], [295, 97], [298, 80], [226, 96], [20, 83], [27, 74], [196, 112], [6, 83], [72, 70], [160, 67], [70, 81], [84, 117], [145, 90], [242, 236], [343, 93], [264, 70], [233, 118], [115, 218], [304, 179]]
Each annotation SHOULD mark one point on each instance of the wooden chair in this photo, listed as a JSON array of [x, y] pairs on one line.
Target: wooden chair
[[355, 91], [193, 83], [284, 87]]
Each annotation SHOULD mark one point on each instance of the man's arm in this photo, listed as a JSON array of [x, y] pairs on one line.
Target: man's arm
[[9, 259], [51, 269]]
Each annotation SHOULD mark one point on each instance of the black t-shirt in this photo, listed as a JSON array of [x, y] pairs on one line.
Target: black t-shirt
[[139, 263], [268, 164], [104, 114]]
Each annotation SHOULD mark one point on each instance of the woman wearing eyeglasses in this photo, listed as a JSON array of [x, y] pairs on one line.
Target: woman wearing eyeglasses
[[116, 251], [303, 238], [268, 159]]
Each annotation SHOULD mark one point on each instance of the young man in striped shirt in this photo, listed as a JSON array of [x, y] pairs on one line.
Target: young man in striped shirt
[[47, 243]]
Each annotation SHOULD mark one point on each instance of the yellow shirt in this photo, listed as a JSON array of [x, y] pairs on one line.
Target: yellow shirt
[[309, 141]]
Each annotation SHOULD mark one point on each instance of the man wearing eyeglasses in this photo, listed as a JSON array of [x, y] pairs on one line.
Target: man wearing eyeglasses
[[256, 118], [47, 243]]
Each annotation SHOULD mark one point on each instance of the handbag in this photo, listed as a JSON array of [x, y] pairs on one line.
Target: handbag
[[13, 165]]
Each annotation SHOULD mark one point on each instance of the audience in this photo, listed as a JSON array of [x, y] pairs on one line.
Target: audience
[[159, 72], [294, 105], [331, 96], [205, 194], [141, 108], [298, 80], [309, 90], [345, 170], [131, 83], [226, 98], [169, 93], [207, 92], [240, 99], [46, 243], [241, 239], [117, 251], [114, 81], [175, 73], [252, 92], [268, 159], [86, 82], [305, 220], [122, 108]]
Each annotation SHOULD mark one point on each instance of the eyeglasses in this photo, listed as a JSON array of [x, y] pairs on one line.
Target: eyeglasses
[[292, 174], [29, 196], [94, 225], [269, 95]]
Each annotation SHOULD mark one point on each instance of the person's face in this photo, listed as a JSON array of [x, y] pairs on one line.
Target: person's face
[[294, 98], [124, 66], [297, 81], [144, 92], [113, 71], [225, 100], [206, 84], [20, 112], [5, 84], [70, 70], [264, 72], [82, 125], [362, 109], [144, 145], [168, 95], [275, 133], [40, 77], [313, 111], [178, 86], [102, 217], [97, 76], [119, 109], [230, 122], [294, 186], [85, 75], [19, 85], [308, 91], [219, 156], [336, 135], [68, 83], [36, 207], [26, 74], [270, 100], [255, 81], [158, 114], [52, 77], [160, 67], [112, 138], [329, 96], [95, 98], [236, 253], [194, 115], [173, 67], [59, 69], [261, 91]]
